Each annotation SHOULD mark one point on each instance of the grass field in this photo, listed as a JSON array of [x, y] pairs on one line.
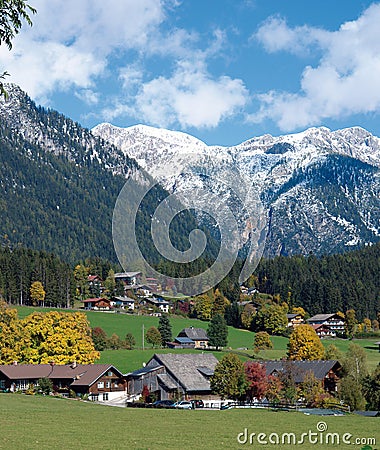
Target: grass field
[[129, 360], [30, 422]]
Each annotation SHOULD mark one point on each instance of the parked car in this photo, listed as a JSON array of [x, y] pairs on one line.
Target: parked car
[[164, 404], [183, 405], [197, 403]]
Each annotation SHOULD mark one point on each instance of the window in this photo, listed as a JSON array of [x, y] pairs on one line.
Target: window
[[105, 397], [101, 385], [108, 384], [23, 384], [109, 373], [2, 384]]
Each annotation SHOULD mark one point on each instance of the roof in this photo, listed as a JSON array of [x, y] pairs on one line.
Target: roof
[[321, 317], [127, 274], [93, 278], [167, 380], [291, 316], [196, 334], [186, 369], [86, 374], [299, 368], [125, 299], [368, 413], [95, 300], [317, 326], [144, 370], [157, 301], [184, 340]]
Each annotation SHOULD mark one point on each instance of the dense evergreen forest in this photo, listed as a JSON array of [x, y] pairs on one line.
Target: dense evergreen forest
[[56, 204], [20, 267], [319, 284], [325, 284]]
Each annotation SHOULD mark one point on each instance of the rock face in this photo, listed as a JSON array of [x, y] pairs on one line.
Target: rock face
[[320, 188]]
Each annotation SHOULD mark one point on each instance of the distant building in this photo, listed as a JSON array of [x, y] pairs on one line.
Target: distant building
[[323, 331], [294, 320], [95, 284], [99, 303], [197, 335], [332, 321], [160, 303], [128, 278], [124, 303]]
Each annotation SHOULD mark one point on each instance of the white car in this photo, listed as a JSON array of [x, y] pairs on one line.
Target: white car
[[183, 405]]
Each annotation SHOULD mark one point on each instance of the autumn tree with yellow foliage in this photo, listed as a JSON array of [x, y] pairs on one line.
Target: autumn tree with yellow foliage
[[304, 344], [41, 338], [11, 342]]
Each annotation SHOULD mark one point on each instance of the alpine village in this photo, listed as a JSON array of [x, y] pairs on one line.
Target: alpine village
[[298, 339]]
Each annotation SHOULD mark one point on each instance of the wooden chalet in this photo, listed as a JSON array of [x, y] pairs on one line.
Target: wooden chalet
[[101, 382]]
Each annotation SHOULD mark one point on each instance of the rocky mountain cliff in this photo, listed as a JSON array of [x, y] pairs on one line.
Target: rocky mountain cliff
[[320, 189]]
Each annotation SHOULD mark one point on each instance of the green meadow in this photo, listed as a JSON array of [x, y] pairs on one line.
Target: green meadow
[[238, 340], [31, 422]]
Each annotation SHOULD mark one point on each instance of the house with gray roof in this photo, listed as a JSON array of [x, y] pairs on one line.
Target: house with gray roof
[[197, 335], [328, 372], [101, 382], [171, 375], [332, 321]]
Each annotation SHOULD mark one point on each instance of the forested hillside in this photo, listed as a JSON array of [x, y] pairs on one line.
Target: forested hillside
[[327, 284], [59, 185], [20, 267], [49, 203]]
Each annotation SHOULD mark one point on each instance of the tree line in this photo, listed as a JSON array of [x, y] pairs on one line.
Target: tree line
[[325, 284]]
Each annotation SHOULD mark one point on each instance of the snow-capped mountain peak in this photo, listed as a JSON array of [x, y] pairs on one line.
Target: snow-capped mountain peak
[[317, 170]]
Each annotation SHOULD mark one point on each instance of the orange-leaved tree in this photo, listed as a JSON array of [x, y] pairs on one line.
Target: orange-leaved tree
[[304, 344]]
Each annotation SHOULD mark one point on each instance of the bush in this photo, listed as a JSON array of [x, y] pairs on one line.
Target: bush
[[45, 386]]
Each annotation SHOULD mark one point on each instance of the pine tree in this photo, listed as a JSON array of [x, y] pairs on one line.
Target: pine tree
[[217, 332], [165, 329]]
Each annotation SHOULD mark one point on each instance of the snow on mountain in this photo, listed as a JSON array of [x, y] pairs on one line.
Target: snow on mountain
[[320, 187]]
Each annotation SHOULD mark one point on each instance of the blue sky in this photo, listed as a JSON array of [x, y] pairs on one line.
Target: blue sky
[[221, 70]]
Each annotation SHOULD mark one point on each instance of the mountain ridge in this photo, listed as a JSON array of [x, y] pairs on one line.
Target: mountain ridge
[[273, 164]]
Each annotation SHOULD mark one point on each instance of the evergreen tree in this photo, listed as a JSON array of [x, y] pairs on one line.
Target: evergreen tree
[[165, 329], [217, 332], [371, 389]]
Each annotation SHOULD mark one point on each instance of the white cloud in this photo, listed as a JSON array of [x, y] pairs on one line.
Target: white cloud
[[74, 45], [70, 42], [190, 97], [88, 96], [345, 81]]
